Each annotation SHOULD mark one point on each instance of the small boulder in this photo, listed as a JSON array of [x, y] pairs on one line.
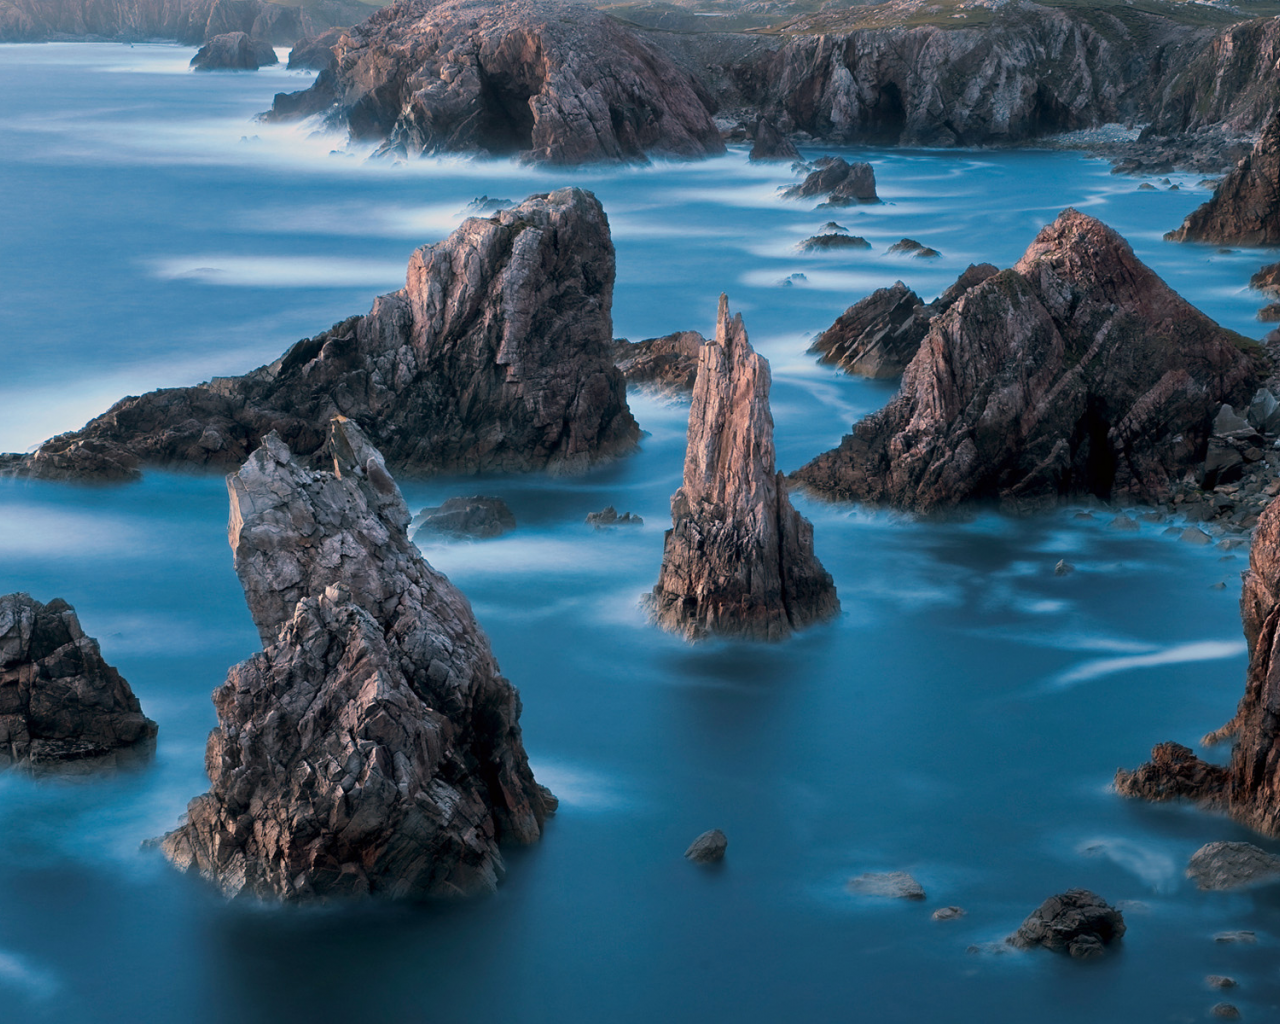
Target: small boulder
[[1225, 1011], [1267, 280], [1077, 921], [1220, 981], [1228, 423], [708, 848], [1063, 568], [841, 182], [823, 243], [1217, 866], [893, 884], [910, 247], [234, 51], [477, 517], [948, 913], [1123, 522], [1194, 535]]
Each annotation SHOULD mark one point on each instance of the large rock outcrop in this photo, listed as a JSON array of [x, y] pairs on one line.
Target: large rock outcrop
[[372, 748], [1077, 372], [234, 51], [548, 80], [1248, 790], [496, 355], [1245, 208], [59, 701], [1078, 922], [739, 559]]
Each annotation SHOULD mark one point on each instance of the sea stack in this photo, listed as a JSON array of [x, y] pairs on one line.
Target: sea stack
[[738, 561], [373, 747], [1249, 790], [59, 700], [1077, 372]]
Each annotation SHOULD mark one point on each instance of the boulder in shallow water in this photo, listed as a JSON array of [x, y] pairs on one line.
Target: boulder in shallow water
[[234, 51], [832, 241], [478, 517], [896, 885], [840, 182], [708, 848], [771, 144], [1232, 866], [1077, 921]]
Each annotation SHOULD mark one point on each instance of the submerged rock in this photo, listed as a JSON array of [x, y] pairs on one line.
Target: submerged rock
[[547, 80], [708, 848], [1225, 1011], [608, 516], [477, 516], [910, 247], [834, 240], [234, 51], [739, 559], [59, 700], [948, 913], [372, 747], [1063, 568], [1232, 866], [1078, 372], [841, 182], [880, 335], [893, 884], [1245, 209], [494, 356], [771, 144], [1077, 921], [669, 363]]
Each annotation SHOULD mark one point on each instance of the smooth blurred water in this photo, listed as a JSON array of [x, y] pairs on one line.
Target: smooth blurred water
[[961, 720]]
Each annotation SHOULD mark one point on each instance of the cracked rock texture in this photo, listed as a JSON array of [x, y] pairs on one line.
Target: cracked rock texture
[[669, 363], [739, 558], [495, 356], [1077, 372], [1245, 208], [59, 701], [1077, 921], [373, 747]]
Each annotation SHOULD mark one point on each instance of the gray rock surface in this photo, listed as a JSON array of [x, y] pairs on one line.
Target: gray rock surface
[[478, 516], [837, 181], [892, 884], [771, 144], [1232, 866], [234, 51], [708, 848], [373, 747], [1077, 921]]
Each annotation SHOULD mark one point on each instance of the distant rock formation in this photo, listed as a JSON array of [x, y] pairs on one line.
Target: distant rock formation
[[234, 51], [1267, 280], [549, 80], [771, 144], [59, 701], [608, 517], [1249, 790], [1077, 372], [669, 363], [315, 53], [372, 748], [838, 181], [494, 356], [479, 517], [1245, 208], [879, 335], [1078, 922], [739, 560], [910, 247]]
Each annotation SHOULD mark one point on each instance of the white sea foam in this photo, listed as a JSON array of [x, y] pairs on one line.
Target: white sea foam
[[280, 271], [1201, 650]]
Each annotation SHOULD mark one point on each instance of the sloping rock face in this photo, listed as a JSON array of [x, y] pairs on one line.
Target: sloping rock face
[[1077, 372], [1245, 208], [739, 559], [372, 747], [59, 701], [1249, 790], [669, 363], [550, 80], [496, 355], [315, 53], [234, 51], [879, 335]]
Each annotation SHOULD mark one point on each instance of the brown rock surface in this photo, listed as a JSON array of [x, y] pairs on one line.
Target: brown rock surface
[[494, 356], [1077, 372], [669, 363], [1245, 208], [550, 80], [234, 51], [739, 559], [372, 747], [59, 701], [1267, 280]]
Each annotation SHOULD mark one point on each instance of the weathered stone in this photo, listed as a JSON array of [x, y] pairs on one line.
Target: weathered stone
[[59, 700], [669, 363], [478, 516], [1264, 413], [708, 848], [892, 884], [608, 516], [494, 356], [1078, 922], [234, 51], [372, 748], [910, 247], [840, 182], [771, 144], [1232, 866], [834, 240], [1174, 771], [948, 913], [1225, 1011], [1267, 280], [1245, 209], [1063, 568], [315, 53], [739, 559]]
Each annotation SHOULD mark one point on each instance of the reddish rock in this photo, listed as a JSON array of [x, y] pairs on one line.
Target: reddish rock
[[669, 363], [1245, 208], [739, 559], [1267, 280]]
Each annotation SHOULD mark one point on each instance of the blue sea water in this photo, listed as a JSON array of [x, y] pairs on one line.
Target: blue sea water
[[961, 720]]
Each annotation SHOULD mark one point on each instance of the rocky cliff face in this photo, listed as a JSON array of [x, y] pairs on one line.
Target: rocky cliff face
[[496, 355], [59, 701], [549, 80], [669, 363], [739, 559], [1249, 790], [372, 747], [1245, 208], [1077, 372]]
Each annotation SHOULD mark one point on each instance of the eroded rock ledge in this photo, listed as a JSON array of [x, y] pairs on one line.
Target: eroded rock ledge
[[1077, 372], [496, 355], [739, 559], [373, 747], [59, 700]]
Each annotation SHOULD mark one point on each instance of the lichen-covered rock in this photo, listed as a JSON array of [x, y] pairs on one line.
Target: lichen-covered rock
[[234, 51], [838, 181], [373, 747], [1245, 208], [1077, 921], [669, 363], [548, 80], [479, 516], [494, 356], [1077, 372], [59, 701], [739, 558]]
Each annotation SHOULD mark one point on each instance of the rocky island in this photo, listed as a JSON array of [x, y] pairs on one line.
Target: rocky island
[[373, 747], [739, 558]]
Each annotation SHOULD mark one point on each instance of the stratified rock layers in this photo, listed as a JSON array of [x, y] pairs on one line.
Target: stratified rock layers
[[739, 559], [1245, 208], [59, 701], [1077, 372], [553, 82], [372, 747], [496, 355]]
